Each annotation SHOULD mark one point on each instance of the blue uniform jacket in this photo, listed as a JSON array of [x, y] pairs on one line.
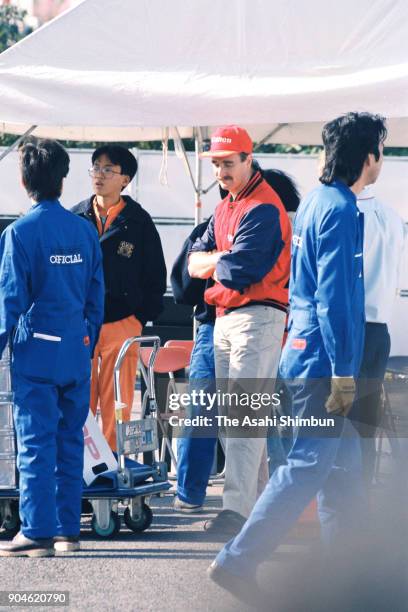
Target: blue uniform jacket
[[326, 321], [51, 287]]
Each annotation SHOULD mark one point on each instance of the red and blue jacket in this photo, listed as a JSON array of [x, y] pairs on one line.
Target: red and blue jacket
[[256, 231]]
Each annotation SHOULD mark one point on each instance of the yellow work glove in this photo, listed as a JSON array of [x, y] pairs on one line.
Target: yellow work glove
[[341, 398]]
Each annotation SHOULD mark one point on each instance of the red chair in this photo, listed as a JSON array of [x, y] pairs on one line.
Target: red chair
[[187, 345], [169, 359]]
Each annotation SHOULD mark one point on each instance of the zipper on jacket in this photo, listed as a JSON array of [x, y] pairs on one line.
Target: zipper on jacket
[[112, 230]]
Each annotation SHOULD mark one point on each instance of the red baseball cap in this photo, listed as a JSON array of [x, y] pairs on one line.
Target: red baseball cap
[[228, 140]]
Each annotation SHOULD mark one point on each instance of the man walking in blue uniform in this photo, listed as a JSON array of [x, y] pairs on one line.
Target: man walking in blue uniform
[[320, 359], [51, 305]]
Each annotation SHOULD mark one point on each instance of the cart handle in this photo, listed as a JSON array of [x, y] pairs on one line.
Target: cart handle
[[122, 353]]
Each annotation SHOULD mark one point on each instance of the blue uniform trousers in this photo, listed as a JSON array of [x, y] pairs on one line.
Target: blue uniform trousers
[[323, 461], [366, 411], [195, 454], [279, 440], [51, 383]]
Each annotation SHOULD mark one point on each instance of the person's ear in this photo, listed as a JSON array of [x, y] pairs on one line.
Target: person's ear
[[126, 181], [369, 160]]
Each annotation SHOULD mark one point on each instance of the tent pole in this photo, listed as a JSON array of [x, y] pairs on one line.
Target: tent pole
[[17, 142], [270, 134], [197, 191], [198, 145], [185, 158], [198, 167]]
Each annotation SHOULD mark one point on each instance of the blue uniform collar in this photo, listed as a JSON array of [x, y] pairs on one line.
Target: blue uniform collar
[[345, 188], [45, 204]]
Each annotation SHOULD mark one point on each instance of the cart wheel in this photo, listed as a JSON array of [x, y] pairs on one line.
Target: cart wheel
[[111, 530], [142, 523], [9, 527]]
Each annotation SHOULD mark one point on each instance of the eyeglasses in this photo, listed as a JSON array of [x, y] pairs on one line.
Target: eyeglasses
[[106, 172]]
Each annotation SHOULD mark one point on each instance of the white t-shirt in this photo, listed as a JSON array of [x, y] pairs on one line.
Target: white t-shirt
[[384, 234]]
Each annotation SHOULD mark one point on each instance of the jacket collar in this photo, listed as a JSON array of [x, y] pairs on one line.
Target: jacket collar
[[131, 210], [45, 204], [255, 180], [343, 187]]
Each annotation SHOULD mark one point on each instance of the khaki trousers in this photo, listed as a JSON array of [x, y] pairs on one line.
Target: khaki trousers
[[247, 345]]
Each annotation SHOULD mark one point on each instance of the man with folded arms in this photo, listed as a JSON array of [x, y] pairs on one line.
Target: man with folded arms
[[246, 250]]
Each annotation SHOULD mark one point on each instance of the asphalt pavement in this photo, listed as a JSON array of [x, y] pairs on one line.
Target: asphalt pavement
[[162, 569]]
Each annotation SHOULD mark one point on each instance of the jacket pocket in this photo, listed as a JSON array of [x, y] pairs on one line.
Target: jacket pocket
[[76, 357], [35, 354]]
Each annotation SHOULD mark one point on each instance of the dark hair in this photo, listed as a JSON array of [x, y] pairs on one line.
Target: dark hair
[[119, 156], [243, 156], [44, 164], [284, 186], [280, 182], [347, 142]]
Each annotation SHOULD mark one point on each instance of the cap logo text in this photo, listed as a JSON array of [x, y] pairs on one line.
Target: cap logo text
[[222, 139]]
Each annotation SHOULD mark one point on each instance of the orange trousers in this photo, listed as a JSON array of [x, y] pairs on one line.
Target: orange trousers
[[111, 338]]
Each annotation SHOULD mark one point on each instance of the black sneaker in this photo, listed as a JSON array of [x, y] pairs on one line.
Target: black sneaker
[[66, 543], [243, 588], [227, 523], [21, 546]]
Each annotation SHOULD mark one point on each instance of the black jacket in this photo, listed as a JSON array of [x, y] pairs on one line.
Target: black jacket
[[187, 290], [133, 263]]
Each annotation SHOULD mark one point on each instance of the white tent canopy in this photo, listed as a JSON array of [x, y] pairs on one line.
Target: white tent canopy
[[125, 70]]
